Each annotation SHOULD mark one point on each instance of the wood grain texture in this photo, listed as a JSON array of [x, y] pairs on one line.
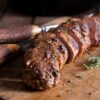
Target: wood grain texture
[[70, 87]]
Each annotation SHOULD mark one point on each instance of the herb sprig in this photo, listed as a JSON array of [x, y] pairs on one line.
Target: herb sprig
[[93, 62]]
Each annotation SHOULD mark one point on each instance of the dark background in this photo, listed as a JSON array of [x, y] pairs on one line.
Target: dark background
[[52, 7]]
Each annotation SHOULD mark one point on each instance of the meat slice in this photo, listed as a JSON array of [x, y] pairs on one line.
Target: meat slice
[[43, 62], [77, 35], [42, 68], [97, 29], [49, 51], [92, 27], [41, 76], [64, 35], [42, 52], [75, 29], [51, 39], [85, 32]]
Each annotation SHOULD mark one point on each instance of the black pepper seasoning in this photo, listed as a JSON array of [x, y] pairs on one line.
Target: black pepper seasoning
[[58, 95], [67, 90], [89, 93], [69, 81], [54, 39], [61, 48]]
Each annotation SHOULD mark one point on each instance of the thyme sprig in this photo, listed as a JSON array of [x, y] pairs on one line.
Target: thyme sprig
[[93, 62]]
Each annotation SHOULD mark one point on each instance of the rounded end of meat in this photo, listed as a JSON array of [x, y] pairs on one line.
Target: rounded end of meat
[[40, 76]]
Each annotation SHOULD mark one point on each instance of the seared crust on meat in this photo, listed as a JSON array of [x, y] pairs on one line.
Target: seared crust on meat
[[97, 29], [75, 29], [77, 35], [49, 51], [51, 39], [64, 35], [41, 76], [47, 58], [42, 67], [92, 26], [86, 33]]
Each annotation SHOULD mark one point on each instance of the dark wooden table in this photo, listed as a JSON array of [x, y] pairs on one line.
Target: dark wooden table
[[12, 87]]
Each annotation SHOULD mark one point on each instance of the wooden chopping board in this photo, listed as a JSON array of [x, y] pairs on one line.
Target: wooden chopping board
[[71, 87]]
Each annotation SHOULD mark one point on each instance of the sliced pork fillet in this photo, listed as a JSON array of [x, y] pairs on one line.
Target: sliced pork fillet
[[64, 35], [92, 27], [49, 51], [74, 27], [41, 76], [42, 68], [43, 63], [51, 39], [97, 29], [86, 33]]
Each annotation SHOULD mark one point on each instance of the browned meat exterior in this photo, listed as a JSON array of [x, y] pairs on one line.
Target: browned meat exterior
[[41, 73], [49, 51], [97, 29], [47, 57], [92, 27], [64, 35], [74, 27], [51, 39], [85, 32]]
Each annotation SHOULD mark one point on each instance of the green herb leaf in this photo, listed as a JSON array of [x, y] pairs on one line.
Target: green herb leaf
[[65, 30], [92, 62], [69, 20]]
